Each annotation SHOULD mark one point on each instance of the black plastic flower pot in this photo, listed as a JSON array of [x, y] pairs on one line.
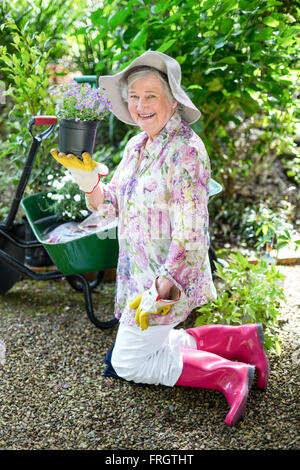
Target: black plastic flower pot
[[77, 137]]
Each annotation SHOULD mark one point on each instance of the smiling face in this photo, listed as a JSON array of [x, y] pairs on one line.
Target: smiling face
[[149, 106]]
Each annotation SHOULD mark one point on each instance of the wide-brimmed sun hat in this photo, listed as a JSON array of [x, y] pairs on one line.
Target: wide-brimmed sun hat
[[112, 84]]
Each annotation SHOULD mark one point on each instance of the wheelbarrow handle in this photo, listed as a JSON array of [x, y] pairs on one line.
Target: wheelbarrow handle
[[44, 120], [49, 121]]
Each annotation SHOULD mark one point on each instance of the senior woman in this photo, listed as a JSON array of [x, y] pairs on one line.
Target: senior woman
[[160, 194]]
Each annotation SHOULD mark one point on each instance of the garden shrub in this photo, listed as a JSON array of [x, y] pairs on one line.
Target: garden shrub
[[27, 71], [32, 37], [249, 294], [238, 65]]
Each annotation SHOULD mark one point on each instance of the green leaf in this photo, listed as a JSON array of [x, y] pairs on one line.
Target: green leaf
[[248, 104], [139, 39], [181, 58], [215, 84], [226, 25], [208, 4], [165, 46], [271, 21], [264, 34], [265, 229], [212, 69], [198, 127], [195, 87], [220, 43], [118, 18], [227, 60], [97, 17], [225, 7]]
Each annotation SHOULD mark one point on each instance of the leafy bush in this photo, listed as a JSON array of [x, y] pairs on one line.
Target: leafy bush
[[26, 67], [253, 225], [249, 294], [32, 36], [267, 226], [52, 17], [238, 65]]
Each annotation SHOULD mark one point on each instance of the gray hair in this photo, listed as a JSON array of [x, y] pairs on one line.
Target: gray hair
[[143, 71]]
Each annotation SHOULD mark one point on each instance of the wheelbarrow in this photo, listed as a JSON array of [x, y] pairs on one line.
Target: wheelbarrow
[[71, 259]]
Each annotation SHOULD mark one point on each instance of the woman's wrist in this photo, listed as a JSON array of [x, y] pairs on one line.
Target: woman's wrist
[[96, 198], [163, 287]]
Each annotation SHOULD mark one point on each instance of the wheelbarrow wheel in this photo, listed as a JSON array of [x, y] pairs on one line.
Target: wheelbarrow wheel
[[9, 275], [77, 285]]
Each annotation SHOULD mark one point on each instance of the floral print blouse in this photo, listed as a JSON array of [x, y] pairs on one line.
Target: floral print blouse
[[159, 192]]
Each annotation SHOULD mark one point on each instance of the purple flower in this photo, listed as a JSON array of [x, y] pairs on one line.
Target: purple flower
[[81, 101], [71, 92], [88, 104]]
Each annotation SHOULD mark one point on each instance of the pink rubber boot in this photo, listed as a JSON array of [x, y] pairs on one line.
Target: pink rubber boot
[[244, 343], [205, 370]]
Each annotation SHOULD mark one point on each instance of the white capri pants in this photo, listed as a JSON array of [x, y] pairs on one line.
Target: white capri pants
[[151, 356]]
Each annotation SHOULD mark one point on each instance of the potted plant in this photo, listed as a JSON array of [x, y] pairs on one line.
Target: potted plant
[[79, 107]]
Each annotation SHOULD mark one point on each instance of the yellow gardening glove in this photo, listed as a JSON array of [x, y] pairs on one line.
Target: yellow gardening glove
[[142, 317], [86, 172]]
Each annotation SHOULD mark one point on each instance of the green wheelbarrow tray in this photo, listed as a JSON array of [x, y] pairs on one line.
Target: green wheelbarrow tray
[[214, 188], [90, 253]]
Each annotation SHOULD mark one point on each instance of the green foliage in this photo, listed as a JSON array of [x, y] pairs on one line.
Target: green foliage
[[253, 223], [52, 17], [238, 65], [26, 68], [262, 225], [32, 36], [268, 227], [250, 294]]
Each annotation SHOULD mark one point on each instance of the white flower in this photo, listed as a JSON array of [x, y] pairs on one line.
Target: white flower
[[84, 212], [77, 197], [50, 177], [57, 197], [68, 196], [58, 184]]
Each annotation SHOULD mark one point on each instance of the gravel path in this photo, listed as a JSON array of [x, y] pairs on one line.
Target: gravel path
[[53, 394]]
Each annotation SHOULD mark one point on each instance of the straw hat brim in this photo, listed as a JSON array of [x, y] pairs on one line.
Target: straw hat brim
[[112, 84]]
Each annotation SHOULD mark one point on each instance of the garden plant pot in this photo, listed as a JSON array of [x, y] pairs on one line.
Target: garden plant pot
[[77, 137]]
